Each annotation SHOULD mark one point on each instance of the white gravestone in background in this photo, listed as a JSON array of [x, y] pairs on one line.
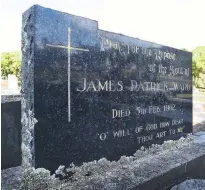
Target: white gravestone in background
[[13, 83]]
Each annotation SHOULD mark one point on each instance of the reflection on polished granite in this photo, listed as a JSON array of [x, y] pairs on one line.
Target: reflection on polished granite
[[80, 76]]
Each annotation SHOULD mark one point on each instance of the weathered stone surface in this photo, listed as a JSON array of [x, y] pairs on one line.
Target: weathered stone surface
[[199, 127], [11, 178], [193, 184], [27, 102]]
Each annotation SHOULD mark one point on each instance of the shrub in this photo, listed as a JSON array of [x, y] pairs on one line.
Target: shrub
[[11, 64]]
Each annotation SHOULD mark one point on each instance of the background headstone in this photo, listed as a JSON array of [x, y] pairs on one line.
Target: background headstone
[[10, 131], [12, 82]]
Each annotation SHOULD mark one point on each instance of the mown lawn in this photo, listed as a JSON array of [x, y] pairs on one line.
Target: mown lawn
[[198, 97]]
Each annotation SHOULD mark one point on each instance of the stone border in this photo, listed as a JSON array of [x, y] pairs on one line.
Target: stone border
[[10, 98], [158, 168]]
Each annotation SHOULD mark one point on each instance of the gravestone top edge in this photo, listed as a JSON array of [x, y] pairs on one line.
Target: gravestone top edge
[[61, 12], [101, 30], [10, 98], [136, 38]]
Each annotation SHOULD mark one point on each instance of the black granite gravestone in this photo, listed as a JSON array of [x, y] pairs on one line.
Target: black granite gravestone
[[10, 131], [99, 94]]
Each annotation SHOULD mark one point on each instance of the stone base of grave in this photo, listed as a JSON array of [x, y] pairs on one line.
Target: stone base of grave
[[190, 167], [162, 167], [192, 184], [11, 178]]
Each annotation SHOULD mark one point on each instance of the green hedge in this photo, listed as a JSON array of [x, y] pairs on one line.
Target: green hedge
[[11, 64]]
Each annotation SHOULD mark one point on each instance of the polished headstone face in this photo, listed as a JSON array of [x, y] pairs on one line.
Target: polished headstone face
[[101, 94]]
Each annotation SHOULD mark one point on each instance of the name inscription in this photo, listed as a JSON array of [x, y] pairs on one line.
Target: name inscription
[[111, 86]]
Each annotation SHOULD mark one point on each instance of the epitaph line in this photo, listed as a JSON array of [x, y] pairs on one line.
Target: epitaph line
[[69, 49]]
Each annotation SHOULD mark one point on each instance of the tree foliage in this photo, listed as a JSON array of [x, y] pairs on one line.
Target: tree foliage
[[198, 67], [185, 49], [11, 64], [196, 71]]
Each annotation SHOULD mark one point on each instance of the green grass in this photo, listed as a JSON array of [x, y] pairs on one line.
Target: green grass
[[184, 95], [199, 99], [199, 49]]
